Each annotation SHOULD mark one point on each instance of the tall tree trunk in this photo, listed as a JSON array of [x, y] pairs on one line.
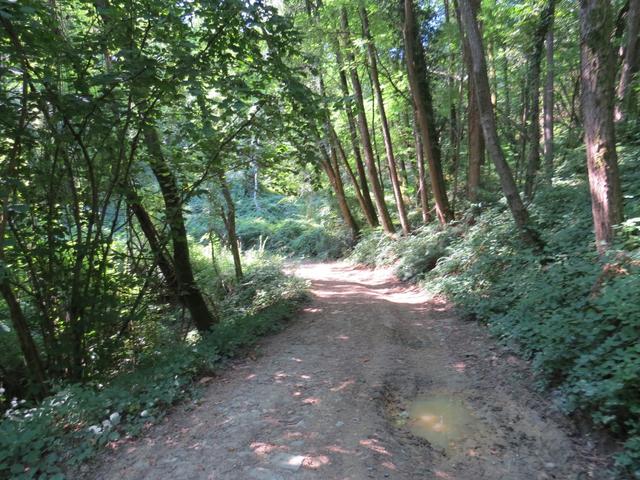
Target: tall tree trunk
[[156, 245], [35, 368], [421, 93], [423, 194], [342, 154], [487, 117], [9, 165], [189, 293], [598, 79], [383, 213], [535, 60], [229, 219], [368, 208], [329, 162], [548, 103], [525, 99], [388, 145], [475, 139], [626, 96]]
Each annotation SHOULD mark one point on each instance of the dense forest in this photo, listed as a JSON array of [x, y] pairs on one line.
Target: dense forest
[[160, 160]]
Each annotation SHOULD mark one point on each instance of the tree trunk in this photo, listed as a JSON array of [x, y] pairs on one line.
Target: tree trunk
[[229, 219], [10, 163], [535, 60], [475, 139], [189, 293], [626, 96], [422, 177], [597, 79], [368, 208], [35, 368], [156, 245], [388, 145], [383, 213], [342, 154], [330, 164], [489, 130], [548, 104], [420, 91]]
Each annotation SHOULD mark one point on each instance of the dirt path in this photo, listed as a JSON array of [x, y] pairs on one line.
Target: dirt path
[[329, 398]]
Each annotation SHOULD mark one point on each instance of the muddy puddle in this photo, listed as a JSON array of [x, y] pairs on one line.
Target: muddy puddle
[[444, 421]]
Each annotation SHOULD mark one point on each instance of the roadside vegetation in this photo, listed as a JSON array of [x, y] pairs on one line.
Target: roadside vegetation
[[574, 315]]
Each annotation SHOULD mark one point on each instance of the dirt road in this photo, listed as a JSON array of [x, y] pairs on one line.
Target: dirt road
[[332, 397]]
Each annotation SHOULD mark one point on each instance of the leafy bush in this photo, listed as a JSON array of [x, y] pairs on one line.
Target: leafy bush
[[412, 256], [68, 427], [305, 226]]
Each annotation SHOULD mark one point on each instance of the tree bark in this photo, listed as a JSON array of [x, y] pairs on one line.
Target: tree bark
[[548, 104], [489, 130], [330, 164], [368, 208], [372, 171], [626, 97], [597, 80], [421, 93], [475, 139], [342, 154], [535, 60], [189, 293], [229, 219], [35, 368], [386, 134], [156, 245], [422, 176]]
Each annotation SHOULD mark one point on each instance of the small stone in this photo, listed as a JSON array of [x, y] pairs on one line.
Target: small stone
[[339, 424], [290, 462], [549, 465], [114, 418]]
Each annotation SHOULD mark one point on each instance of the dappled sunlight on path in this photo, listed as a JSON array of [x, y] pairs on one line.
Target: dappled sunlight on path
[[331, 397]]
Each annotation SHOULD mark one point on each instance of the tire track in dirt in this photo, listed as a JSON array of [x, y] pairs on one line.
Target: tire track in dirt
[[326, 397]]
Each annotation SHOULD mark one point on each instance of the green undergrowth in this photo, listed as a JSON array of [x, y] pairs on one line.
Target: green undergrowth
[[70, 426], [574, 315], [304, 226]]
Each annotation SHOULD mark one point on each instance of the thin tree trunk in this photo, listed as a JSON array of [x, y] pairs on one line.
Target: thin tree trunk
[[548, 104], [420, 91], [28, 347], [159, 250], [330, 164], [388, 145], [368, 208], [535, 60], [190, 294], [342, 154], [487, 116], [33, 362], [597, 79], [475, 139], [229, 219], [372, 171], [422, 177], [626, 96]]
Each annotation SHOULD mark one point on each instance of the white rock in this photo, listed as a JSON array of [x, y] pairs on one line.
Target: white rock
[[95, 429], [114, 418]]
